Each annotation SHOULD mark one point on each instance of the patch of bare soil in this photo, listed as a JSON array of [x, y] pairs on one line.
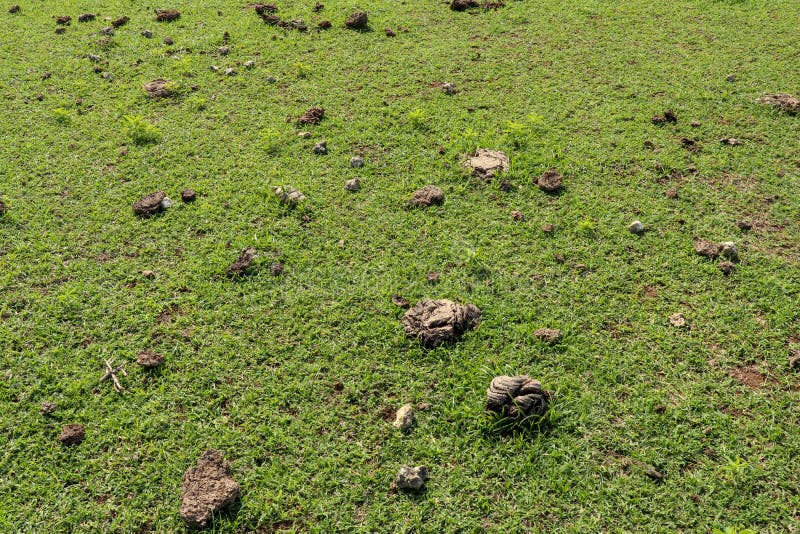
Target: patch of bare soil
[[750, 376]]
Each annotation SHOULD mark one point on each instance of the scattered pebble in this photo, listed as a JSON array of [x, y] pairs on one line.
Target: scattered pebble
[[356, 162], [677, 320], [434, 322], [72, 434], [188, 195], [213, 68], [404, 418], [271, 79], [636, 227], [321, 147], [389, 32], [550, 182], [548, 335], [207, 489], [427, 196], [324, 25], [517, 398], [242, 263], [695, 124], [485, 164], [166, 203], [107, 30], [352, 185], [224, 50], [412, 478], [150, 359], [357, 21]]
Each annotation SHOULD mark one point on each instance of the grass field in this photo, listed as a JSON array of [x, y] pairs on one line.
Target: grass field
[[291, 377]]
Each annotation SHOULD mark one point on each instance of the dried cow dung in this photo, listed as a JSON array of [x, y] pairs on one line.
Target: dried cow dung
[[245, 259], [167, 15], [150, 359], [517, 397], [158, 88], [782, 101], [207, 489], [434, 322], [72, 435], [357, 21], [551, 181], [150, 204], [486, 163], [427, 196], [313, 115]]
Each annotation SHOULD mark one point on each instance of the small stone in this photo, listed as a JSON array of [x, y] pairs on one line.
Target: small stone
[[213, 68], [727, 267], [357, 21], [169, 41], [149, 274], [207, 489], [412, 478], [324, 25], [636, 227], [427, 196], [288, 195], [548, 335], [728, 250], [352, 185], [356, 162], [63, 20], [47, 408], [249, 64], [230, 71], [550, 182], [730, 78], [304, 135], [321, 148], [188, 195], [147, 34], [122, 21], [449, 88], [404, 418], [677, 320], [166, 203], [224, 50], [73, 434], [150, 359], [276, 269]]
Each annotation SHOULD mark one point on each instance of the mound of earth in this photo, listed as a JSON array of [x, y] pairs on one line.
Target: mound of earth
[[434, 322], [207, 489]]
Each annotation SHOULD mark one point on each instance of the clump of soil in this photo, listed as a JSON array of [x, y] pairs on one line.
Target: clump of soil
[[782, 101], [122, 21], [207, 489], [276, 269], [242, 263], [434, 322], [401, 302], [357, 21], [150, 359], [63, 20], [463, 5], [427, 196], [727, 267], [167, 15], [324, 25], [73, 434], [486, 163], [14, 9], [150, 204], [551, 181], [158, 88], [313, 115], [86, 17], [47, 408], [707, 248], [518, 398], [188, 195], [412, 478], [548, 335]]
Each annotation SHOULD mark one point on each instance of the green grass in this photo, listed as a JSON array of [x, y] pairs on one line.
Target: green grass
[[251, 363]]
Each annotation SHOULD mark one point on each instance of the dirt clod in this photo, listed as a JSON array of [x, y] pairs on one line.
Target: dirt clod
[[313, 115], [784, 102], [167, 15], [63, 20], [427, 196], [485, 164], [551, 181], [463, 5], [207, 489], [706, 248], [72, 434], [356, 162], [188, 195], [318, 7], [150, 359], [727, 267], [404, 417], [289, 195], [653, 474], [242, 263], [276, 269], [321, 148], [352, 185], [401, 302], [412, 478], [548, 335], [158, 88], [150, 204], [122, 21], [14, 9], [636, 227], [86, 17], [357, 21], [169, 41], [517, 397], [325, 25], [670, 116], [389, 32], [47, 408], [434, 322]]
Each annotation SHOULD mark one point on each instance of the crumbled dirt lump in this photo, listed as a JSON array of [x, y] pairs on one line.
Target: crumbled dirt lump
[[158, 88], [517, 397], [313, 115], [72, 435], [434, 322], [167, 15], [427, 196], [207, 489], [149, 204], [242, 263], [150, 359], [357, 21], [486, 163]]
